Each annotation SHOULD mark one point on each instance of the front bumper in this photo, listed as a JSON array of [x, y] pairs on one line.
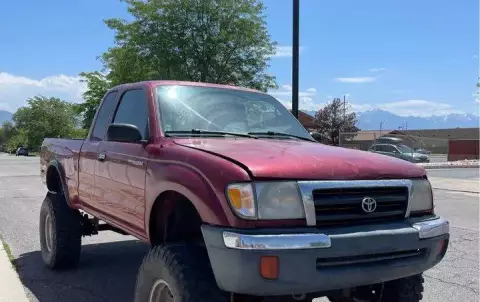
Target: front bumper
[[313, 260]]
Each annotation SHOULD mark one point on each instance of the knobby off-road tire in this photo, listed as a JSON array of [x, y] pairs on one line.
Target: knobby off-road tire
[[61, 246], [184, 268], [409, 289]]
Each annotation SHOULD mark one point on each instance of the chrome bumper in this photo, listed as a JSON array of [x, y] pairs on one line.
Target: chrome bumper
[[432, 228], [276, 242], [426, 229]]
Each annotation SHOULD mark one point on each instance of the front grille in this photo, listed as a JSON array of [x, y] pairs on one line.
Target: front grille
[[370, 259], [344, 205]]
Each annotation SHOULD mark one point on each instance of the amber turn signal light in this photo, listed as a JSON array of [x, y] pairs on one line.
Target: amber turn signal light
[[269, 267]]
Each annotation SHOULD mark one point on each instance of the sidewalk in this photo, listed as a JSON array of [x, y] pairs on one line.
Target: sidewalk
[[453, 184], [475, 163], [11, 288]]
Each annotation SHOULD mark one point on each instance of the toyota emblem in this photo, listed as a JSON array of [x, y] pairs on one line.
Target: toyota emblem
[[369, 204]]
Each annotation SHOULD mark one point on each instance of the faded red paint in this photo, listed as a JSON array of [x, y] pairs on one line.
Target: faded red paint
[[460, 149], [122, 193]]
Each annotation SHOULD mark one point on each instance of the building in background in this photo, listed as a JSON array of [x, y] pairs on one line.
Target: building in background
[[439, 141], [308, 122]]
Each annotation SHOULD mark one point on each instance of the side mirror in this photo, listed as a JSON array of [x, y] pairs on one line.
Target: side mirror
[[126, 133]]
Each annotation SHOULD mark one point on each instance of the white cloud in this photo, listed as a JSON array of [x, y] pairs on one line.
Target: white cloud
[[15, 90], [356, 80], [304, 103], [286, 51], [286, 90], [421, 108], [306, 98], [377, 69], [361, 107]]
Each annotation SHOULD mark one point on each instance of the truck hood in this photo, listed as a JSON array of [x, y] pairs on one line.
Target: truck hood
[[292, 159]]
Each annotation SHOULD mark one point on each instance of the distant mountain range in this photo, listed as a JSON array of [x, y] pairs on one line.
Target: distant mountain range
[[370, 120], [5, 116]]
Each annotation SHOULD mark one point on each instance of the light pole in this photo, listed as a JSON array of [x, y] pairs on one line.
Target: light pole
[[295, 56], [381, 123]]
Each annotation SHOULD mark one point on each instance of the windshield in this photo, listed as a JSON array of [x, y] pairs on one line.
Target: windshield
[[405, 149], [183, 108]]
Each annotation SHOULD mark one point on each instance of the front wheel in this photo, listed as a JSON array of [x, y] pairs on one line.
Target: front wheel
[[409, 289], [177, 273]]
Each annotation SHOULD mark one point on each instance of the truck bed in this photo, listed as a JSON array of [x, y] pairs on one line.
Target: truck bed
[[66, 152]]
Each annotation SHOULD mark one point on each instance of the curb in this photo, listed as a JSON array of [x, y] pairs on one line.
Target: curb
[[11, 288], [449, 166]]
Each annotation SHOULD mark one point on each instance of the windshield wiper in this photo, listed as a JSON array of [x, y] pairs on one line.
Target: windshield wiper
[[273, 133], [201, 131]]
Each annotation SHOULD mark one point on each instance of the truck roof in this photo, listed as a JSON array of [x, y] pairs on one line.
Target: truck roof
[[190, 83]]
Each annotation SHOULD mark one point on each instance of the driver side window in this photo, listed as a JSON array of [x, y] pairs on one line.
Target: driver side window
[[133, 110]]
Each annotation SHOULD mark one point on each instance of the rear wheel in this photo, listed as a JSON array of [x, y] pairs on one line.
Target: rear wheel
[[179, 273], [60, 233]]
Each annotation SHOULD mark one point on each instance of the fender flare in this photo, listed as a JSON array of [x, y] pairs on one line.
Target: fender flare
[[55, 164]]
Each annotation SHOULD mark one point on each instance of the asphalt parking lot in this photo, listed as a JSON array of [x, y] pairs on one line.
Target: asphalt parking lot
[[110, 261], [437, 158]]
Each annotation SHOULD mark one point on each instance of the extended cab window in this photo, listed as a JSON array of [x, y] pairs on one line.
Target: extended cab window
[[104, 113], [133, 110]]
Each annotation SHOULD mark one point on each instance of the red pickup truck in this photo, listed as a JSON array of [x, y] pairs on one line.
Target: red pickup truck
[[238, 201]]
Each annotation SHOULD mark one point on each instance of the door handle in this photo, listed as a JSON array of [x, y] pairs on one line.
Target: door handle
[[101, 156]]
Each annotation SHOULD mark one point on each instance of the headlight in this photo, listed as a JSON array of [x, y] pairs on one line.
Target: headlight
[[272, 200], [242, 200], [279, 200], [421, 198]]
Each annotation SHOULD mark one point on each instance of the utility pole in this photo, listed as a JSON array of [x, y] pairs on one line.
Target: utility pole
[[295, 56]]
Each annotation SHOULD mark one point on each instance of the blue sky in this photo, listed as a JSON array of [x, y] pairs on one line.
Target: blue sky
[[409, 57]]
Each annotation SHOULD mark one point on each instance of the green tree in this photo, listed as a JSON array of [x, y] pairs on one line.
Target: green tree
[[7, 130], [19, 139], [216, 41], [44, 117], [97, 86], [333, 119]]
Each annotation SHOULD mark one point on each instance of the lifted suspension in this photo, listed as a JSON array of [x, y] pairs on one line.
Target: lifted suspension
[[91, 226]]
